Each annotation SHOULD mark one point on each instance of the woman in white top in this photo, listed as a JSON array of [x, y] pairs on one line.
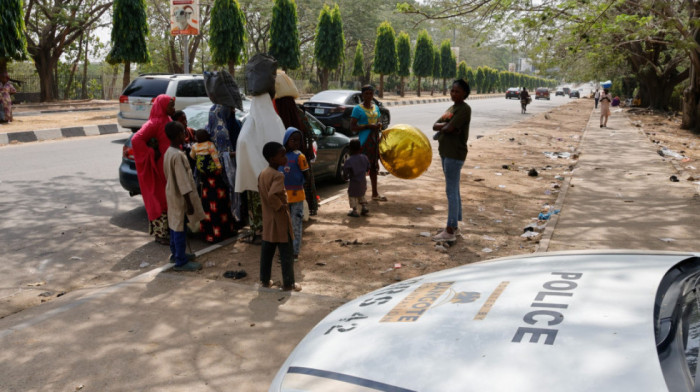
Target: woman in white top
[[605, 100]]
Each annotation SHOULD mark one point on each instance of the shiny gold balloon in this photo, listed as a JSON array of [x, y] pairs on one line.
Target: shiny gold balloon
[[405, 151]]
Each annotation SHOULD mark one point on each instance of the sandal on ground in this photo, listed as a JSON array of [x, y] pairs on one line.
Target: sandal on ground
[[353, 214], [268, 285], [235, 274], [379, 198], [294, 287], [189, 256], [364, 212]]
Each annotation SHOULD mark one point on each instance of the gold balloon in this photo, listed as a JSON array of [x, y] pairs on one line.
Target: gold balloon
[[405, 151]]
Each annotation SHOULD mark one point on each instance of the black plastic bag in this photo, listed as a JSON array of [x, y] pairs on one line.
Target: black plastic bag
[[260, 73], [222, 89]]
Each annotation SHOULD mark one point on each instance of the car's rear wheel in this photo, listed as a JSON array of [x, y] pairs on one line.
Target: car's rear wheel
[[339, 172]]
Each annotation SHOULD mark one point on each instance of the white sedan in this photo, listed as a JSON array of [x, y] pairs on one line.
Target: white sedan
[[574, 321]]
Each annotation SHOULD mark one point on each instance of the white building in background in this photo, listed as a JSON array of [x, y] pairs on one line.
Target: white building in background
[[525, 66]]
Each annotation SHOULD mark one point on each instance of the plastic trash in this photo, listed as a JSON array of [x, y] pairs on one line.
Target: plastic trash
[[557, 155], [665, 152], [530, 234], [487, 250], [488, 238]]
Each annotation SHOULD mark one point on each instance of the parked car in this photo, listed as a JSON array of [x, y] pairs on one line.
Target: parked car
[[575, 94], [331, 153], [542, 93], [513, 92], [567, 90], [137, 98], [568, 321], [334, 107], [559, 92]]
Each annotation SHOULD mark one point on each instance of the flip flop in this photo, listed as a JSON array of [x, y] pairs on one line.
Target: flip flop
[[235, 274], [379, 198]]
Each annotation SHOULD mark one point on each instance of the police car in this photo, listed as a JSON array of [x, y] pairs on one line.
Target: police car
[[571, 321]]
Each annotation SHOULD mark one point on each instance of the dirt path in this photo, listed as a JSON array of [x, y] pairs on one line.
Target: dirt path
[[344, 257]]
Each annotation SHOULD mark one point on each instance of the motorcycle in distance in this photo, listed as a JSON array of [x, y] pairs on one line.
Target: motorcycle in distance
[[525, 99]]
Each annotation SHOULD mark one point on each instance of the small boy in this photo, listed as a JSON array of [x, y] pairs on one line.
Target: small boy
[[296, 173], [181, 196], [202, 148], [356, 168], [277, 224]]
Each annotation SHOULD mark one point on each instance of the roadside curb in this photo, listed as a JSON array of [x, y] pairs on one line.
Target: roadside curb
[[543, 245], [60, 133]]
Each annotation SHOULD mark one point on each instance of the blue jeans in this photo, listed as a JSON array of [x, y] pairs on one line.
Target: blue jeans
[[452, 169], [177, 247], [297, 212]]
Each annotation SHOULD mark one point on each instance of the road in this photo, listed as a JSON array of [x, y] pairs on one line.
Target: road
[[67, 224]]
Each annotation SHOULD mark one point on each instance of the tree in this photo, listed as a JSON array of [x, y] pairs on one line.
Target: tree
[[437, 68], [52, 25], [129, 31], [13, 44], [385, 61], [326, 50], [462, 70], [338, 38], [358, 62], [226, 34], [480, 80], [284, 35], [403, 51], [423, 58], [446, 64]]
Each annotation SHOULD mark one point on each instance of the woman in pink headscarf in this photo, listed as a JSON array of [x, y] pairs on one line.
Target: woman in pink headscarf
[[149, 144]]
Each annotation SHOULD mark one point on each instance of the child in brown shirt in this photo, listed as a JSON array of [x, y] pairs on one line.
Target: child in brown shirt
[[277, 223]]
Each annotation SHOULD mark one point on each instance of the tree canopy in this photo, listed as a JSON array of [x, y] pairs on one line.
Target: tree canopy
[[284, 35], [13, 43], [385, 59], [227, 33]]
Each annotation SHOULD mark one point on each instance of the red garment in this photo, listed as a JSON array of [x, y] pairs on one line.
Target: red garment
[[150, 172]]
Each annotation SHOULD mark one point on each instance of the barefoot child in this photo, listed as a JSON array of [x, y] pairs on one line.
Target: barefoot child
[[356, 168], [277, 224], [296, 173], [181, 196]]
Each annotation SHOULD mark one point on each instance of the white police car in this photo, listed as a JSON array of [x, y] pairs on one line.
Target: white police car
[[603, 321]]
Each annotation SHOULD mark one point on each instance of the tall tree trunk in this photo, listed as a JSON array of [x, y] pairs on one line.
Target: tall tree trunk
[[381, 86], [691, 102], [112, 81], [232, 68], [83, 94], [444, 86], [45, 66], [127, 74], [419, 86], [402, 92], [325, 73], [3, 65]]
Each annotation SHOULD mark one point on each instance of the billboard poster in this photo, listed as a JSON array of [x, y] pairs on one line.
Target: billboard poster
[[184, 17]]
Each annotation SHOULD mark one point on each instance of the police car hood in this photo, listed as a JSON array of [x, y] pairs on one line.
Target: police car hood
[[557, 322]]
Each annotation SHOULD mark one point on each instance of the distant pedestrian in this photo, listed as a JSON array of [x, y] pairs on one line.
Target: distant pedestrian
[[453, 128], [277, 232], [6, 92], [596, 97], [296, 174], [183, 201], [524, 100], [356, 167], [605, 101], [150, 144], [364, 121]]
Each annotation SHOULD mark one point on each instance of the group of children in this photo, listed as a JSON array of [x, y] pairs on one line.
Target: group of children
[[281, 188]]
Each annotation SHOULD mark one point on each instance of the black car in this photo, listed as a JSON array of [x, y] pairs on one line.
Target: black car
[[331, 153], [334, 107], [574, 94], [513, 92]]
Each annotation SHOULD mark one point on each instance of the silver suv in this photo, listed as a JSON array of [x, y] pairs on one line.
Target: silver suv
[[136, 100]]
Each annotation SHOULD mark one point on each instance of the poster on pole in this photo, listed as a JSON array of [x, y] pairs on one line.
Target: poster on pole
[[184, 17]]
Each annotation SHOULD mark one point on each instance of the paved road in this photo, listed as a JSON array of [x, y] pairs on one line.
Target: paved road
[[68, 224]]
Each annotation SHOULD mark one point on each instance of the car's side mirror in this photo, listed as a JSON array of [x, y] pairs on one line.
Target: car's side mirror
[[329, 130]]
